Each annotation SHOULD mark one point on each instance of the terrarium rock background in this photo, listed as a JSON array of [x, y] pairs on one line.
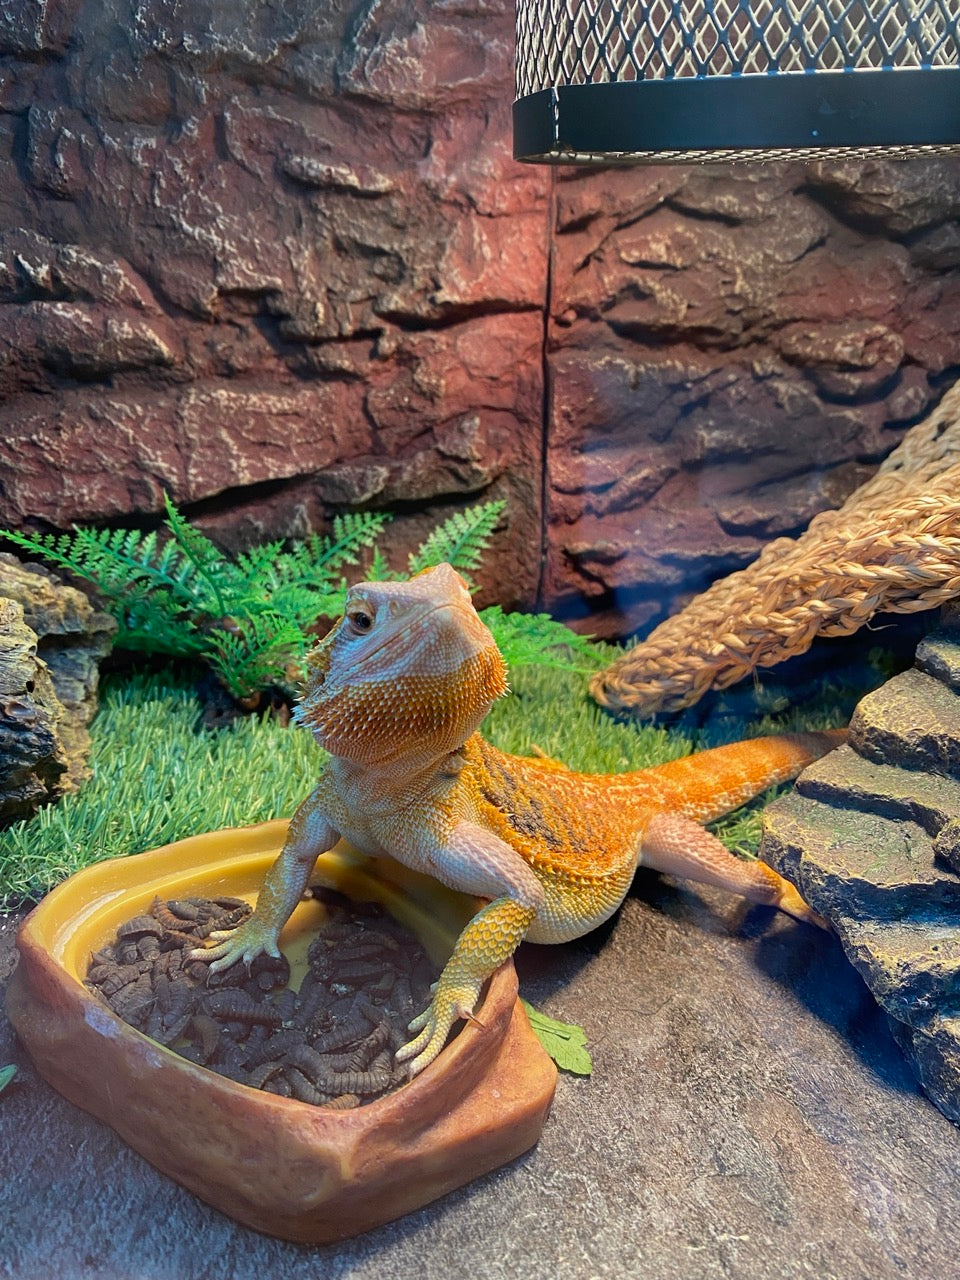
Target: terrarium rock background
[[277, 260], [52, 641], [32, 759], [871, 837]]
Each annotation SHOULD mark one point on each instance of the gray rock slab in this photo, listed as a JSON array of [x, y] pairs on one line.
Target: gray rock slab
[[939, 655], [912, 720], [855, 864], [845, 779], [934, 1051], [749, 1115], [911, 966]]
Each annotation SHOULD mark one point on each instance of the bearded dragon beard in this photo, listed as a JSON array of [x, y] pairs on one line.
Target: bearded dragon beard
[[375, 718]]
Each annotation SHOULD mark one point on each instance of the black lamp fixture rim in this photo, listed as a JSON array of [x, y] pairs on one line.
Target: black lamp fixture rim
[[908, 107]]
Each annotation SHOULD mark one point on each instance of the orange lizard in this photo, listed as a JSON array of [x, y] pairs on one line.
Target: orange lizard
[[396, 692]]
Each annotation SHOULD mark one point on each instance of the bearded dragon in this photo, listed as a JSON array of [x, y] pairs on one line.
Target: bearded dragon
[[395, 693]]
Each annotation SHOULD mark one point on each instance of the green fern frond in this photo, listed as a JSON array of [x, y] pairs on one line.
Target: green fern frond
[[258, 566], [209, 564], [256, 654], [317, 561], [353, 532], [113, 560], [536, 639], [461, 540], [151, 621], [176, 595], [380, 570]]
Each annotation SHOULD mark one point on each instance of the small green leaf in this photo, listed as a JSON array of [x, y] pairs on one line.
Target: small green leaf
[[565, 1042], [6, 1075]]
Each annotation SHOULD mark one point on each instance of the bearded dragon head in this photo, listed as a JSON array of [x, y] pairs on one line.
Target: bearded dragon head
[[409, 668]]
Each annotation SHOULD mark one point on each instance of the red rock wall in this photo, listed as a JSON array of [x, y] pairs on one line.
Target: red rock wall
[[731, 350], [277, 260]]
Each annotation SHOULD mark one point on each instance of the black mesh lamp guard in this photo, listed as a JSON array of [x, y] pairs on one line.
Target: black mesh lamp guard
[[620, 81]]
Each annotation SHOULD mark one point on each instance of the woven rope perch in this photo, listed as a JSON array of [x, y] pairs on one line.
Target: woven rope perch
[[893, 546]]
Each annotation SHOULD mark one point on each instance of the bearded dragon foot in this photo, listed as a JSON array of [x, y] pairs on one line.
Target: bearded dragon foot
[[453, 1000], [244, 942]]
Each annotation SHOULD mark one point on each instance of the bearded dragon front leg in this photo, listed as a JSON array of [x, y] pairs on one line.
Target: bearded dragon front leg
[[477, 862], [310, 834]]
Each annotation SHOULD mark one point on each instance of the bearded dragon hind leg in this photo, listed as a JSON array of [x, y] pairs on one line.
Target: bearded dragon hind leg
[[681, 847]]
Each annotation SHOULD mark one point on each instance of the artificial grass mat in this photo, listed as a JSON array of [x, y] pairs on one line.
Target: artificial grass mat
[[158, 778]]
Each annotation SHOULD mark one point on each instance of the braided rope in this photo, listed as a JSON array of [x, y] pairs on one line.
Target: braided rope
[[894, 546]]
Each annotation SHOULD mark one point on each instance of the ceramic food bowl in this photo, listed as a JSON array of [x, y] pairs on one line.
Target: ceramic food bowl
[[301, 1172]]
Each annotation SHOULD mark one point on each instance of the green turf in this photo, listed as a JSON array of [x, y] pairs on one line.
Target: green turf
[[156, 778]]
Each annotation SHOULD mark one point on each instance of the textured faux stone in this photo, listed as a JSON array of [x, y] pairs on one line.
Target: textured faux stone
[[845, 778], [72, 639], [851, 863], [911, 966], [874, 845], [934, 1051], [947, 844], [277, 262], [32, 758], [913, 720], [939, 655]]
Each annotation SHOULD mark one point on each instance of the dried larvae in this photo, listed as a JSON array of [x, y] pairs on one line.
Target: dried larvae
[[331, 1044]]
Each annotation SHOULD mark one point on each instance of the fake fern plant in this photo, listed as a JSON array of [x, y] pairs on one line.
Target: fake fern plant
[[249, 618]]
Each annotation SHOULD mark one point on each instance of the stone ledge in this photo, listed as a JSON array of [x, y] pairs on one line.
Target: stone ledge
[[844, 779], [915, 719], [871, 837], [854, 864]]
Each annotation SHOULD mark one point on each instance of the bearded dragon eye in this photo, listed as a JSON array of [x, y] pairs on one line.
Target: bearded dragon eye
[[360, 620]]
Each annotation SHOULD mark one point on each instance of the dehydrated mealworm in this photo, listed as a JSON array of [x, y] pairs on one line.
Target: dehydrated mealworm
[[172, 1027], [148, 947], [264, 1071], [303, 1089], [374, 1080], [232, 904], [162, 913], [184, 908], [307, 1060], [370, 1046], [207, 1031], [133, 999], [345, 1033], [326, 1044], [275, 1046], [127, 953], [138, 926], [356, 972], [116, 978], [345, 1102], [237, 1006]]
